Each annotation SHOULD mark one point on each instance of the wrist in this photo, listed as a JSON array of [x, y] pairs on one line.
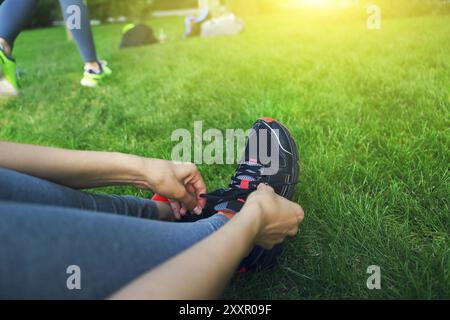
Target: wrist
[[134, 169], [253, 213], [152, 172]]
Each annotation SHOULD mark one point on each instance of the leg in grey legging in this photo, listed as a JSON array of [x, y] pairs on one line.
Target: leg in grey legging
[[82, 36], [46, 227], [15, 14], [19, 187], [38, 243]]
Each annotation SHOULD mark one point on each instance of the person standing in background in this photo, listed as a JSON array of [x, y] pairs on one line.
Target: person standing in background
[[14, 16]]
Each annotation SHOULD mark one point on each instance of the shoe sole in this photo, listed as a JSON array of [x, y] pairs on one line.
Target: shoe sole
[[7, 90], [88, 85]]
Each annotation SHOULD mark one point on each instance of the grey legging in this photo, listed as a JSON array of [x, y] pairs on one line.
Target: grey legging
[[46, 228], [16, 14]]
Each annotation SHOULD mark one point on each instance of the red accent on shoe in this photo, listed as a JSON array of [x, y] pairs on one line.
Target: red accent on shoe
[[245, 184], [269, 120], [227, 213], [242, 270], [241, 200], [159, 198]]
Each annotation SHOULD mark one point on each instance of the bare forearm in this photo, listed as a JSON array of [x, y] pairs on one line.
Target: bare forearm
[[77, 169], [203, 271]]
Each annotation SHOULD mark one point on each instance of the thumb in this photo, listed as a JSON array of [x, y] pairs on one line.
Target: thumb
[[186, 198], [263, 186]]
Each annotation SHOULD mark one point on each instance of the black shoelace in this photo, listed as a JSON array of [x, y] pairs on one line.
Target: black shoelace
[[223, 195], [234, 191]]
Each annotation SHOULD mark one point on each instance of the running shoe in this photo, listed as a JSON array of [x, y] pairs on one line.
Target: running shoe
[[268, 139], [8, 75], [93, 78]]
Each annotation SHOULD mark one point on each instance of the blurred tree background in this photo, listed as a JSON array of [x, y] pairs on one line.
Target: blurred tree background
[[49, 10]]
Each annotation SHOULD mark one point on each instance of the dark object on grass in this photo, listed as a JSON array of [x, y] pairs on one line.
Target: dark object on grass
[[138, 35]]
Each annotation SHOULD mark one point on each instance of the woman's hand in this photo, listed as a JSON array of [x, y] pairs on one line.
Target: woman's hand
[[279, 217], [182, 183]]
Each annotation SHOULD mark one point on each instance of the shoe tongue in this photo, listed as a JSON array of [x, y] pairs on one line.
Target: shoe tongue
[[242, 181], [251, 162], [245, 181], [92, 71], [244, 178]]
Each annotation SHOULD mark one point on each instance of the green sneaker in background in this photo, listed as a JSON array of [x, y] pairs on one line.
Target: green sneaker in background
[[92, 78], [8, 75]]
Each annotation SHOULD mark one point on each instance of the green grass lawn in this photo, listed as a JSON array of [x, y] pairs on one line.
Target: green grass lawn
[[369, 109]]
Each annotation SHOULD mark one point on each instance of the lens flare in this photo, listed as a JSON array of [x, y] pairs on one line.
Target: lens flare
[[322, 3]]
